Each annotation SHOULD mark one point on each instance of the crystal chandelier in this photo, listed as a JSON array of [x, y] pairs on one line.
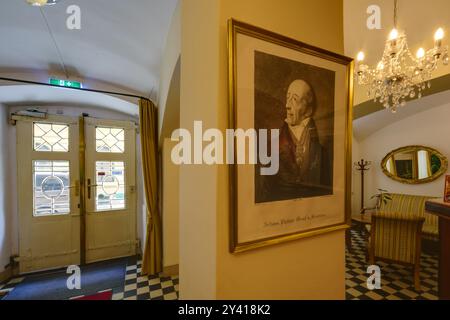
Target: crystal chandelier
[[400, 75]]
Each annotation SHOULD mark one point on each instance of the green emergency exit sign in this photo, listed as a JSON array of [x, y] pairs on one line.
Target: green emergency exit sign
[[66, 83]]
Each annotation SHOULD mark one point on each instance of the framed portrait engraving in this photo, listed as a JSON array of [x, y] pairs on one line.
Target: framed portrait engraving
[[297, 100]]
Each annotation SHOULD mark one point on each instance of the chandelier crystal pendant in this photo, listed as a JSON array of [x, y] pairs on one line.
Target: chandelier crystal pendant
[[400, 75]]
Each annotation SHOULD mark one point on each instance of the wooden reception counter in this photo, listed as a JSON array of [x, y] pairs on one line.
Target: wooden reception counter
[[442, 210]]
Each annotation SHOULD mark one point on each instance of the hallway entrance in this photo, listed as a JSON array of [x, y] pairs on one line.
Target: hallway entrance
[[76, 190]]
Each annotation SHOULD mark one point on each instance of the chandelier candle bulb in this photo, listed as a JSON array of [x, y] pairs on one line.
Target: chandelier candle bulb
[[420, 54], [360, 57], [394, 41], [438, 36], [393, 35]]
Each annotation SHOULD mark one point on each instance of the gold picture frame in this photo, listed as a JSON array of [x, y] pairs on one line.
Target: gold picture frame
[[339, 202]]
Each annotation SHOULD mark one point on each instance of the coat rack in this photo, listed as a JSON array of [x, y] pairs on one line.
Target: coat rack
[[362, 166]]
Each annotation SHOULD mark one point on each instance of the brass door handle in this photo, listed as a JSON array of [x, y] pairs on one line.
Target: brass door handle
[[89, 187], [77, 188]]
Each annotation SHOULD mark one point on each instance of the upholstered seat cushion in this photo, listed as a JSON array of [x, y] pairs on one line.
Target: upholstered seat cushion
[[395, 236], [430, 231], [412, 206]]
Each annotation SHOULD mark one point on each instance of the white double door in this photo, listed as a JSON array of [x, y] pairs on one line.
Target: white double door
[[76, 191]]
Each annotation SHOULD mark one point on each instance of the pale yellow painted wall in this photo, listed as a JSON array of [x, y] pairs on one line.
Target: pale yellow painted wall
[[311, 268], [170, 211], [199, 97]]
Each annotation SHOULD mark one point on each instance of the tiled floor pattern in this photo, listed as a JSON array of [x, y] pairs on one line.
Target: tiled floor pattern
[[397, 281], [139, 287], [136, 287]]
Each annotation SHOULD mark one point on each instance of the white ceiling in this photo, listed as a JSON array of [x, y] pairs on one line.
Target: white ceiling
[[32, 96], [366, 126], [120, 43]]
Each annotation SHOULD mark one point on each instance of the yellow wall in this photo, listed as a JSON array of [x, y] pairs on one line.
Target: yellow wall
[[312, 268], [199, 99], [170, 212]]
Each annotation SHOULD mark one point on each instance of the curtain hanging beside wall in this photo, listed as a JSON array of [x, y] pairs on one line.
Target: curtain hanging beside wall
[[152, 260]]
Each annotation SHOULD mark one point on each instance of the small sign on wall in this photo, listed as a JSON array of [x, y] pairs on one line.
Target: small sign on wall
[[447, 189]]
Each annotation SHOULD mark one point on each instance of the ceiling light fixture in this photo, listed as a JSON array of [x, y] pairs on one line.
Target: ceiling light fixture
[[399, 74], [40, 3]]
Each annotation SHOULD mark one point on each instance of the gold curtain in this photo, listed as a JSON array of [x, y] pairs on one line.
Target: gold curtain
[[152, 261]]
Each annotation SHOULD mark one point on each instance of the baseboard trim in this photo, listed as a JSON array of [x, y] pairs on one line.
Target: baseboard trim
[[171, 270], [6, 274]]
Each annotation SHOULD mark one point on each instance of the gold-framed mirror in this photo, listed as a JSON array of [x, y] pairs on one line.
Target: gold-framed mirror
[[414, 164]]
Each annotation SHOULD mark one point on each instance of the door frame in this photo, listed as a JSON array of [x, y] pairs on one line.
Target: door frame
[[82, 167], [81, 176]]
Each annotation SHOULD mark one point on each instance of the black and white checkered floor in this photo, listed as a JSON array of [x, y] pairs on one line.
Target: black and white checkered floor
[[136, 286], [154, 287], [396, 281]]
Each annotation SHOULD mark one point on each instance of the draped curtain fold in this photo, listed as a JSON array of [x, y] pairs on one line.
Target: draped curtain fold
[[152, 260]]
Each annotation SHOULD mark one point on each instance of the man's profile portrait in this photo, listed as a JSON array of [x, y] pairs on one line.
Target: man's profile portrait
[[297, 99]]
